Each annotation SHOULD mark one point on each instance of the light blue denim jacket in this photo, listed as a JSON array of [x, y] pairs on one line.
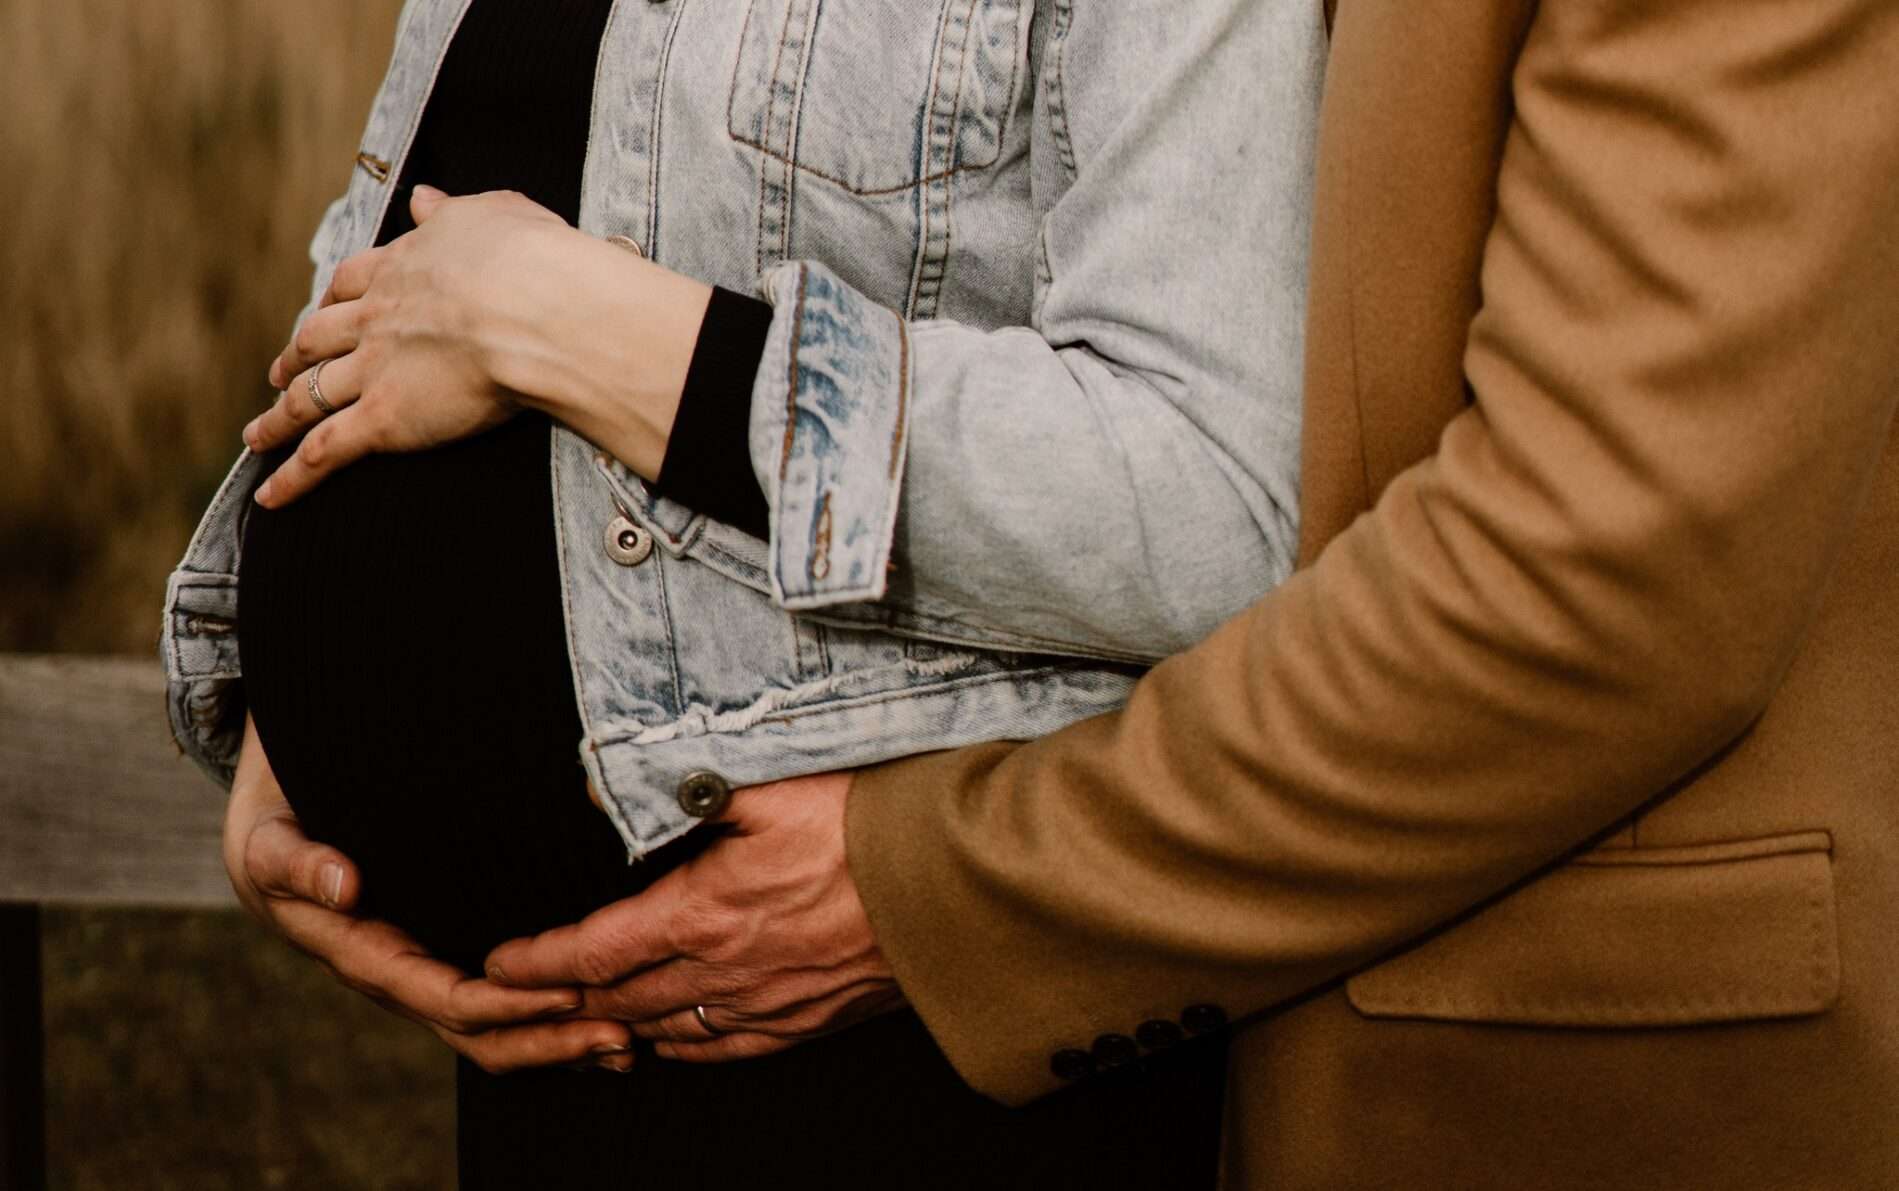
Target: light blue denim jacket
[[1028, 415]]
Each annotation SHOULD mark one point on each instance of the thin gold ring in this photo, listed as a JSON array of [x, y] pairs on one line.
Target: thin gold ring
[[316, 390], [699, 1011]]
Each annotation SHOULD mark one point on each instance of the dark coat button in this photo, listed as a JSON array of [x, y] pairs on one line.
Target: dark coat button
[[1157, 1035], [1203, 1019], [1115, 1050], [704, 794], [1071, 1065]]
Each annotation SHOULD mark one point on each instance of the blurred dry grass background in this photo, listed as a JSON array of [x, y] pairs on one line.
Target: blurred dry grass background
[[165, 162], [162, 164]]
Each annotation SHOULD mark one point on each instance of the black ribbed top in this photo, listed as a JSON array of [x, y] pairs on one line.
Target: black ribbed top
[[404, 647]]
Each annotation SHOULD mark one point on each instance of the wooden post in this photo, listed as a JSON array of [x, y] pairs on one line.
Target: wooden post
[[22, 1052]]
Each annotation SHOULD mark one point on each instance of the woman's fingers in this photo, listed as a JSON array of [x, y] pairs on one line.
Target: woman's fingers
[[382, 962], [353, 277], [336, 442], [326, 333], [567, 1043], [280, 861], [296, 410]]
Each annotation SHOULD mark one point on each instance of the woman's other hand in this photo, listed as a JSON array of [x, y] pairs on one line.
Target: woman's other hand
[[491, 305], [752, 947], [306, 892]]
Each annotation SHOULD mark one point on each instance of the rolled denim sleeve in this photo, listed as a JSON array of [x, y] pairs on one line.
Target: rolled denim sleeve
[[1120, 476]]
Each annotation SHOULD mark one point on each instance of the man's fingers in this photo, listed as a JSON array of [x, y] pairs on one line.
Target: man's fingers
[[724, 1049], [824, 1011], [327, 333], [281, 861], [661, 990], [338, 441], [601, 949], [296, 410]]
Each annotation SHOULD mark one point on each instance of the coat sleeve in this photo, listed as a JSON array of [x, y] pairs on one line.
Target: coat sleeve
[[1684, 375]]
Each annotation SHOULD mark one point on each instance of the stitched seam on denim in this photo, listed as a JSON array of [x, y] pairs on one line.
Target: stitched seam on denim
[[796, 336], [1058, 89], [850, 703], [934, 261], [819, 565], [960, 167], [915, 690], [655, 156], [672, 638], [927, 202], [587, 160], [911, 623], [787, 193], [605, 791], [771, 112], [925, 198], [791, 385], [899, 431], [711, 547]]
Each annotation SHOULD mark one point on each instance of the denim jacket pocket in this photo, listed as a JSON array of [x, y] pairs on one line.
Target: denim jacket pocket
[[878, 99]]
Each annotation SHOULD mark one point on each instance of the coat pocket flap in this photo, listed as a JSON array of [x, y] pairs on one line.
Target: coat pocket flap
[[1633, 937]]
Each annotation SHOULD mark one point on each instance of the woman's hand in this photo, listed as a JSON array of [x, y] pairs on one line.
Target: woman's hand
[[493, 304], [764, 931], [305, 891]]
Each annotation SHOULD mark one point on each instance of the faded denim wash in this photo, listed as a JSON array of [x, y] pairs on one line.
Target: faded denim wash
[[1028, 416]]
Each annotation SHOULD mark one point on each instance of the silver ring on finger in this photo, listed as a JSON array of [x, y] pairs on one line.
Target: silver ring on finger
[[699, 1011], [316, 390]]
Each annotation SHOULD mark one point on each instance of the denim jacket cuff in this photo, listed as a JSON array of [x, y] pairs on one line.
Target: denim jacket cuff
[[829, 416]]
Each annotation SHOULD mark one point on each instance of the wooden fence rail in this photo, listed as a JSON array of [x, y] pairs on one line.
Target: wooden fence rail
[[96, 808]]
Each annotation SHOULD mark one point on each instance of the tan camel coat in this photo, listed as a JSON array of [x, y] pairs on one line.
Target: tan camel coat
[[1543, 830]]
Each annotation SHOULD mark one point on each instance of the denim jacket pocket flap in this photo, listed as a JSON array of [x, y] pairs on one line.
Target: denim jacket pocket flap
[[878, 99], [1633, 937]]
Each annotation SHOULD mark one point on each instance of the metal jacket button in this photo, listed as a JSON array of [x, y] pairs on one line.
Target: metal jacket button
[[627, 543], [628, 242], [704, 794]]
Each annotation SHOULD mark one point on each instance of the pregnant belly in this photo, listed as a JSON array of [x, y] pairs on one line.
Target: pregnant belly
[[405, 662]]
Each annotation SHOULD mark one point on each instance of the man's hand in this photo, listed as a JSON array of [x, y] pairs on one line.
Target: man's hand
[[764, 931], [306, 890]]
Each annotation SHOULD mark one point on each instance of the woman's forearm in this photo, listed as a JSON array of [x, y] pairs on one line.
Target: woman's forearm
[[602, 341]]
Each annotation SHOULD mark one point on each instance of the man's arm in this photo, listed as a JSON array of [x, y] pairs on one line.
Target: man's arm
[[1684, 373]]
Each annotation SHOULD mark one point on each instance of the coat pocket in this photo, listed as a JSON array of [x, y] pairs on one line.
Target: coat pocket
[[878, 97], [1634, 937]]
